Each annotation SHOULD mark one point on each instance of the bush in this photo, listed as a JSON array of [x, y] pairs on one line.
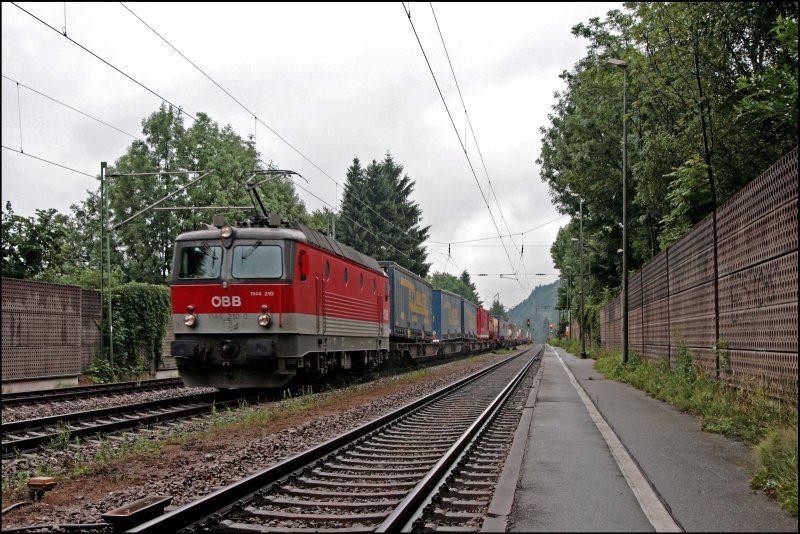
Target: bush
[[776, 457], [746, 414], [140, 313]]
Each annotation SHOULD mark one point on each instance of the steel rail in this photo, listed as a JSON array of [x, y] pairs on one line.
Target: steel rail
[[214, 505], [411, 507], [198, 404], [46, 395]]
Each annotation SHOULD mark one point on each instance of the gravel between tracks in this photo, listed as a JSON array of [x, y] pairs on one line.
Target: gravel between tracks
[[200, 459]]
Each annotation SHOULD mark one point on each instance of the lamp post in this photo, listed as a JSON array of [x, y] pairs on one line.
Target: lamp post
[[568, 270], [624, 66], [582, 320]]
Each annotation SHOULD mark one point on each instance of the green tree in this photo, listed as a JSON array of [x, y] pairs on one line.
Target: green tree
[[355, 225], [144, 244], [498, 309], [545, 330], [378, 217], [83, 247], [689, 198], [539, 307], [769, 98], [470, 287], [702, 121], [323, 220], [34, 247]]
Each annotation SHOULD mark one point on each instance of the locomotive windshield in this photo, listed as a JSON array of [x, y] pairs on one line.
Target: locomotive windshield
[[257, 261], [200, 262]]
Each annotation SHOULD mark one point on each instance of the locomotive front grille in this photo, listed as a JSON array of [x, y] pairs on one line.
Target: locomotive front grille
[[227, 349]]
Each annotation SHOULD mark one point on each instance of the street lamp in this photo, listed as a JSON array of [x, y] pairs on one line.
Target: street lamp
[[624, 66], [582, 321]]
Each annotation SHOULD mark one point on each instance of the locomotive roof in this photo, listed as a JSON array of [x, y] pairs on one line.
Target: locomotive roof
[[340, 249], [297, 232]]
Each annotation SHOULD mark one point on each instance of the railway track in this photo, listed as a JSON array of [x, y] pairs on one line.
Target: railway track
[[81, 392], [31, 434], [430, 465]]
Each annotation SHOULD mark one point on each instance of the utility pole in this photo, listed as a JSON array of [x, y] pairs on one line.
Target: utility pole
[[107, 228], [102, 244]]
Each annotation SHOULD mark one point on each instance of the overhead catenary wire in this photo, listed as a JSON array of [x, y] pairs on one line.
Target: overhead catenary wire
[[48, 161], [356, 223], [510, 274], [477, 146], [180, 109], [494, 237], [19, 111], [70, 107], [469, 162], [134, 80], [469, 122], [187, 59], [483, 246], [257, 120]]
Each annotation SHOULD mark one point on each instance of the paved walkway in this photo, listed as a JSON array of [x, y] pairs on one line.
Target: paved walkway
[[663, 473]]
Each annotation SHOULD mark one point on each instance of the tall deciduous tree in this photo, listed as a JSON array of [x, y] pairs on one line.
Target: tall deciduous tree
[[145, 242], [711, 100], [34, 247], [378, 217]]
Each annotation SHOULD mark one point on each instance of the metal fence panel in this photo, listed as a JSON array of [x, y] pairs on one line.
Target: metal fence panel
[[53, 330], [757, 290], [41, 329]]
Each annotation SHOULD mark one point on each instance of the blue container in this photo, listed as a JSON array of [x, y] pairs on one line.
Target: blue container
[[469, 319], [411, 299], [446, 314]]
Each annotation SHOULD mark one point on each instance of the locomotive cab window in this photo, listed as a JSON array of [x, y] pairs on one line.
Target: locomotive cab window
[[200, 262], [257, 261]]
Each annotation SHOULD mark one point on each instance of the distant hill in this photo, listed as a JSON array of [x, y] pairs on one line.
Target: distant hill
[[540, 308]]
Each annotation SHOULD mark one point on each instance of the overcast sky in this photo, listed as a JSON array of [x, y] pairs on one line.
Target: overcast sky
[[335, 80]]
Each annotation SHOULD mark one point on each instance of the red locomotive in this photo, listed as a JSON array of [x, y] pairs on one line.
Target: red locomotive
[[255, 306]]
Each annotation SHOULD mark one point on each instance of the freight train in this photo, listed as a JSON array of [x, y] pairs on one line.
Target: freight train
[[266, 302]]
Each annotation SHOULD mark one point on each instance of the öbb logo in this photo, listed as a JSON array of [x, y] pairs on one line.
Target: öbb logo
[[226, 302]]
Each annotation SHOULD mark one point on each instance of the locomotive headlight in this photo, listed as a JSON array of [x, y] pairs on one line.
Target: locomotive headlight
[[190, 320], [264, 320], [226, 232]]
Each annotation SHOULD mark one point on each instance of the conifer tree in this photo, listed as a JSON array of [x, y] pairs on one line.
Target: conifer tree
[[378, 217]]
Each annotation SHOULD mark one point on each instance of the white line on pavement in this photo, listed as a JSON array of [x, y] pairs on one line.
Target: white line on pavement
[[651, 505]]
